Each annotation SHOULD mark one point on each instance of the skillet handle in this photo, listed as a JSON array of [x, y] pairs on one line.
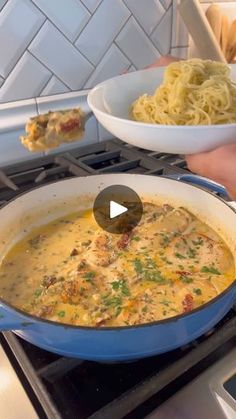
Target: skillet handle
[[203, 182], [10, 320]]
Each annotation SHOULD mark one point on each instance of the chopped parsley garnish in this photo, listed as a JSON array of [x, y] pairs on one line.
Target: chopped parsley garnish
[[164, 259], [179, 256], [197, 291], [198, 242], [138, 266], [210, 269], [38, 292], [118, 311], [89, 276], [186, 279], [174, 310], [35, 241], [149, 271], [61, 313], [136, 238], [155, 215], [151, 264], [191, 253], [87, 243], [145, 309], [155, 276], [165, 239], [121, 285], [114, 301], [115, 285], [165, 303]]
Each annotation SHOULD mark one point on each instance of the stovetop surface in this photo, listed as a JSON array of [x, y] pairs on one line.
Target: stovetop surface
[[70, 388]]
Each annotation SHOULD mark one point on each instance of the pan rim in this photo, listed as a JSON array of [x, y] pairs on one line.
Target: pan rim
[[181, 316]]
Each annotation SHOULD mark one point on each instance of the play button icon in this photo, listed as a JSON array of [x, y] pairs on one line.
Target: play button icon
[[117, 209]]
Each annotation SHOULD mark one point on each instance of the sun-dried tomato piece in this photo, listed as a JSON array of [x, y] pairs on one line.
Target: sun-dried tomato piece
[[187, 303], [124, 241], [70, 125]]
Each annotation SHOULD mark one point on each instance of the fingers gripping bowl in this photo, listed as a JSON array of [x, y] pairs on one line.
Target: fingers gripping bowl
[[111, 102], [114, 340]]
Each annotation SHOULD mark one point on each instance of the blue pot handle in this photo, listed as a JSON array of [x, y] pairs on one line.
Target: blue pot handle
[[203, 182], [11, 320]]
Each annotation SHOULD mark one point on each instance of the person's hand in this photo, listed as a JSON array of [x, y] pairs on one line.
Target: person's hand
[[163, 61], [218, 165]]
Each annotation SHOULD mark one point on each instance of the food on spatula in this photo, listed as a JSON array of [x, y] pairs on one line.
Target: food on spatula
[[53, 129]]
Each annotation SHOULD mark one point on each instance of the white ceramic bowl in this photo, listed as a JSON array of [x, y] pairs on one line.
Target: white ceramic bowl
[[111, 100]]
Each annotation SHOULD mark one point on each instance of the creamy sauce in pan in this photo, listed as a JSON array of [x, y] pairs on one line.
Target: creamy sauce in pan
[[73, 272]]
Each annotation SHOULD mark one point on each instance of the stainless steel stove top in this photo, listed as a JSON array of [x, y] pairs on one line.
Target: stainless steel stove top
[[210, 395], [58, 387]]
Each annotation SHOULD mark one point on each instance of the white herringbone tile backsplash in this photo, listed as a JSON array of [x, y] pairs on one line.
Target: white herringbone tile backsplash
[[56, 46]]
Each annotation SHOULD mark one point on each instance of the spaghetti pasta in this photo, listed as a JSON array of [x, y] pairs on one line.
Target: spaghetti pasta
[[194, 92]]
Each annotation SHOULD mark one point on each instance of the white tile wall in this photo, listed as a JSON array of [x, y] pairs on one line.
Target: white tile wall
[[162, 32], [180, 36], [13, 116], [180, 52], [131, 68], [19, 22], [2, 2], [73, 44], [12, 151], [103, 134], [53, 87], [12, 122], [53, 49], [62, 101], [102, 28], [148, 20], [91, 4], [27, 79], [132, 39], [69, 16], [113, 62], [166, 3]]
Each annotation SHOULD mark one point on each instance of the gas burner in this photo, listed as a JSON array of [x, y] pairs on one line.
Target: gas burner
[[111, 156]]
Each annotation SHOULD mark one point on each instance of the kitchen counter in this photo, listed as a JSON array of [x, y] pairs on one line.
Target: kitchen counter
[[14, 402]]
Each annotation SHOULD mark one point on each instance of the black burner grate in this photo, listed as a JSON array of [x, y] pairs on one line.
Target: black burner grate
[[108, 157], [71, 388]]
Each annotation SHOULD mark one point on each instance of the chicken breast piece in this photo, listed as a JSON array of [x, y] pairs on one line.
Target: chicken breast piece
[[190, 249]]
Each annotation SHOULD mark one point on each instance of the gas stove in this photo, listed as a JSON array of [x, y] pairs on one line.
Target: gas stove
[[58, 387]]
